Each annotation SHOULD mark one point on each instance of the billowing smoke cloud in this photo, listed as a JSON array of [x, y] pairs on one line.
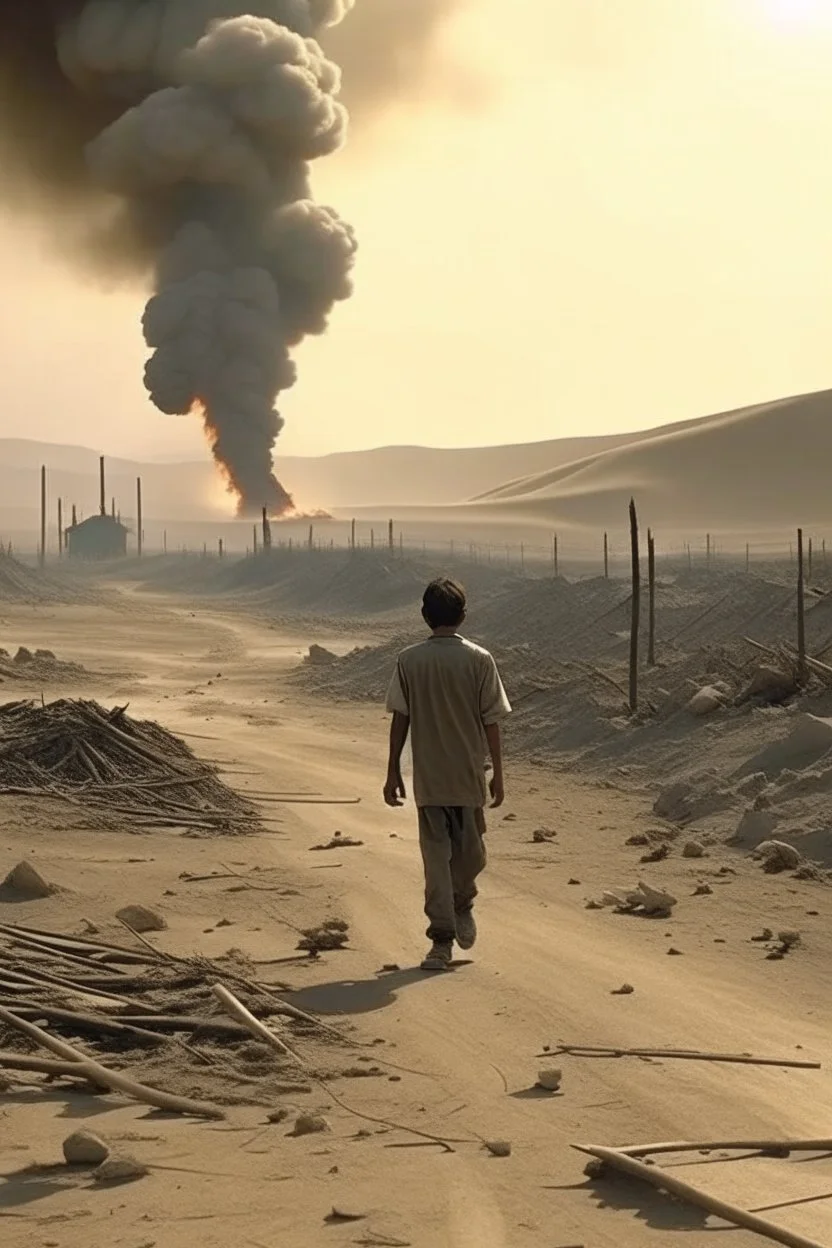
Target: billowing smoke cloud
[[193, 125], [171, 141]]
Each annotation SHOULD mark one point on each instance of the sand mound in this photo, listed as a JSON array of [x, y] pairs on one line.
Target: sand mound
[[20, 583], [739, 471]]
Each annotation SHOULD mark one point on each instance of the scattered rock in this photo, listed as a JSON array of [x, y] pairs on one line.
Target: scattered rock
[[141, 919], [706, 700], [338, 841], [389, 967], [754, 827], [319, 656], [573, 881], [120, 1170], [789, 938], [769, 686], [674, 803], [674, 953], [84, 1148], [640, 838], [310, 1124], [281, 1114], [648, 901], [498, 1148], [624, 991], [331, 934], [777, 856], [26, 881], [656, 855], [595, 1168], [765, 934], [592, 904], [543, 835], [550, 1080], [702, 890], [693, 849], [24, 655]]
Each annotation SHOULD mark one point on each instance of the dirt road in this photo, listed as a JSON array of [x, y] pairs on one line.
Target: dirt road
[[544, 972]]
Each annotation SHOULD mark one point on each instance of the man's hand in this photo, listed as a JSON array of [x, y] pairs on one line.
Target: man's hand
[[498, 793], [394, 790]]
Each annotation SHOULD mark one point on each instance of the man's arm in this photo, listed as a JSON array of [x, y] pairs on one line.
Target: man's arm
[[494, 706], [399, 708], [495, 749], [394, 791]]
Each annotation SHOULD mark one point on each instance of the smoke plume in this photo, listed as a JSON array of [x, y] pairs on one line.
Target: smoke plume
[[174, 138]]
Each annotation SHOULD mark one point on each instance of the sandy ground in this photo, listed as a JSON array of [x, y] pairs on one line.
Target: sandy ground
[[460, 1050]]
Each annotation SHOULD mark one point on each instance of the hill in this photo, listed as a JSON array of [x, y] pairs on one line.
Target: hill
[[765, 467]]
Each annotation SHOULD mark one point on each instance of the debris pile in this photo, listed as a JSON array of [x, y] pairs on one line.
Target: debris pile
[[137, 1014], [37, 665], [134, 769]]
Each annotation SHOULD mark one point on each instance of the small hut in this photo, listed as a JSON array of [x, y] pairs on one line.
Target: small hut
[[97, 537]]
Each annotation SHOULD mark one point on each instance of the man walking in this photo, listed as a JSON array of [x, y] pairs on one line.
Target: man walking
[[447, 693]]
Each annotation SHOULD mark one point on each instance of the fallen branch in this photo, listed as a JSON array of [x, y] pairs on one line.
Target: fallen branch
[[161, 954], [780, 1147], [237, 1010], [703, 1200], [96, 1073], [685, 1055], [43, 1066]]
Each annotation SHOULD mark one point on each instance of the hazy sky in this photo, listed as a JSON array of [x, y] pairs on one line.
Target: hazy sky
[[636, 229]]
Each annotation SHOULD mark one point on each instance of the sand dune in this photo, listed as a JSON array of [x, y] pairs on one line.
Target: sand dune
[[759, 467]]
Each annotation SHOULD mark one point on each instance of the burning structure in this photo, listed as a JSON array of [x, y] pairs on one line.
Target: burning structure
[[177, 136], [97, 537]]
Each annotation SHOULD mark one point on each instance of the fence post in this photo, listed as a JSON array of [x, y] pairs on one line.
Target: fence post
[[651, 574], [636, 611], [809, 565], [747, 557], [606, 557], [352, 535], [801, 610], [555, 555], [220, 550], [708, 549], [390, 539]]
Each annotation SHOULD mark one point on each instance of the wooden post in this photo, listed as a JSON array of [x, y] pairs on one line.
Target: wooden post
[[60, 528], [390, 538], [690, 559], [809, 565], [372, 539], [139, 529], [74, 516], [352, 535], [636, 605], [606, 557], [747, 557], [220, 549], [204, 550], [267, 530], [651, 575], [102, 501], [801, 610], [555, 556], [522, 557], [708, 548], [311, 536], [254, 537], [401, 543], [42, 552], [165, 541]]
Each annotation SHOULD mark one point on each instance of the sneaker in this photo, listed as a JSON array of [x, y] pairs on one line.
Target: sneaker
[[439, 957], [466, 929]]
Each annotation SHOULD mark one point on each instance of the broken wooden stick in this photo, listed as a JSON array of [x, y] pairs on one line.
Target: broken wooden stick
[[686, 1055], [665, 1182], [114, 1080], [43, 1066], [780, 1147], [237, 1010]]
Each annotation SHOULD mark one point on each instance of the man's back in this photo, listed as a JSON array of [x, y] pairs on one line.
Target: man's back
[[449, 688]]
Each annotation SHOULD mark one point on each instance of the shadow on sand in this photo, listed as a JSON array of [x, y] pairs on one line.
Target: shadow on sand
[[361, 996]]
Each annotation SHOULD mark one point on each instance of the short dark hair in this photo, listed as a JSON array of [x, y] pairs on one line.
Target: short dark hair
[[443, 604]]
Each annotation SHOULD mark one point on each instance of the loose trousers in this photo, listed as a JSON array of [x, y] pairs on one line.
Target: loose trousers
[[453, 852]]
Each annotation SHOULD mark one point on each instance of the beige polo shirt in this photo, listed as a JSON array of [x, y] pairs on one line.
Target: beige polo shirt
[[449, 688]]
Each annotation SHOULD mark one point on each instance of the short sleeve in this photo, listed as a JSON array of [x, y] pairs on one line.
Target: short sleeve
[[494, 704], [396, 697]]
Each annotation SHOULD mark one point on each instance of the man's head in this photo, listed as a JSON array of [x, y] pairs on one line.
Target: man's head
[[443, 605]]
